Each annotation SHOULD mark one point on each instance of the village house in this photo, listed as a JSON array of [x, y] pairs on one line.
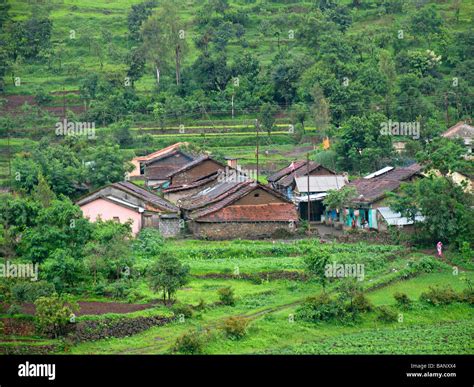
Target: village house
[[284, 180], [198, 175], [314, 189], [193, 177], [463, 131], [238, 210], [155, 167], [125, 201], [370, 209]]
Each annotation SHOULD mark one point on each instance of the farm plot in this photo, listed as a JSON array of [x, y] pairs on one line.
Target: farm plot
[[270, 305]]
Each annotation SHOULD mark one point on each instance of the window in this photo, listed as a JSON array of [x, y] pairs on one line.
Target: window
[[116, 219], [142, 169], [256, 195]]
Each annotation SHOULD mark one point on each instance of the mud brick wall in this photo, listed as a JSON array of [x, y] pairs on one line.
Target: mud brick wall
[[169, 227], [258, 230]]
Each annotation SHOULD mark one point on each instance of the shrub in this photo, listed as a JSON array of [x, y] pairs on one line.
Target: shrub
[[226, 296], [53, 315], [437, 295], [5, 293], [201, 305], [386, 314], [235, 327], [361, 303], [403, 301], [190, 343], [31, 291], [118, 289], [467, 296], [182, 309], [319, 308], [14, 309]]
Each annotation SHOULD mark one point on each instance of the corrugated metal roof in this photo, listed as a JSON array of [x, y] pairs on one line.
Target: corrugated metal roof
[[319, 183], [395, 218], [378, 173]]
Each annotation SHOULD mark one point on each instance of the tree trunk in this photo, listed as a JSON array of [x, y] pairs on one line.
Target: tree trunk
[[178, 51]]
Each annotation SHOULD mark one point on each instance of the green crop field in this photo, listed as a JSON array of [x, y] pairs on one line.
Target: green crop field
[[270, 303]]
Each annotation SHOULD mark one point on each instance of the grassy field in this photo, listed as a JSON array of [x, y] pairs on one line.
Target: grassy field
[[93, 19], [271, 304]]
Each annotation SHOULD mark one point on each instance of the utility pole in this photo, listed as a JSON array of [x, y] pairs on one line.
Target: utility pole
[[232, 106], [446, 104], [309, 201], [257, 127]]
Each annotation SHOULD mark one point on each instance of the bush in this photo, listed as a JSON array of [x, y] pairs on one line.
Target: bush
[[437, 295], [403, 301], [14, 309], [5, 293], [201, 305], [467, 296], [182, 309], [235, 327], [319, 308], [53, 315], [118, 289], [361, 303], [226, 296], [31, 291], [190, 343], [386, 314]]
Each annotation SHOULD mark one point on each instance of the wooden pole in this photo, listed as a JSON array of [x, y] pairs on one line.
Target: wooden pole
[[309, 201], [258, 169]]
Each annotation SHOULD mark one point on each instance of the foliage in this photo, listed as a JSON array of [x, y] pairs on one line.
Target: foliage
[[319, 308], [403, 301], [168, 275], [28, 291], [316, 266], [53, 315], [235, 327], [190, 343], [386, 314], [63, 270], [438, 295], [226, 296]]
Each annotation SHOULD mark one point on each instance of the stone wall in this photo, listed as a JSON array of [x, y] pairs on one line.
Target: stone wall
[[169, 227], [232, 230]]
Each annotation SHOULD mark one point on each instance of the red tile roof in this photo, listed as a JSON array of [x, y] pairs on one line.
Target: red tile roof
[[461, 129], [375, 188], [161, 152], [286, 176], [194, 184], [272, 212]]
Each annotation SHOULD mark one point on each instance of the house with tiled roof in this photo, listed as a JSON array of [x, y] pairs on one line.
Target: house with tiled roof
[[463, 131], [155, 167], [244, 209], [284, 180], [191, 178], [126, 202], [369, 208]]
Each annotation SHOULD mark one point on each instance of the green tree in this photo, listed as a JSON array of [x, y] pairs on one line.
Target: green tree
[[315, 265], [53, 315], [339, 200], [267, 116], [63, 271], [168, 275]]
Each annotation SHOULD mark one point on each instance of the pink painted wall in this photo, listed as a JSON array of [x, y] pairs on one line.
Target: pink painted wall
[[107, 211]]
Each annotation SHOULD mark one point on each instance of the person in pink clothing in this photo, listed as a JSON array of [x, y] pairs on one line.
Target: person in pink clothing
[[439, 248]]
